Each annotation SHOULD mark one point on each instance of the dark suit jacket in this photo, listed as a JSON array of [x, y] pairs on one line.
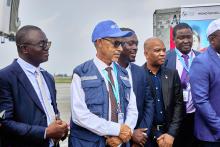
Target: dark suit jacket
[[171, 59], [25, 120], [171, 63], [144, 99], [173, 99]]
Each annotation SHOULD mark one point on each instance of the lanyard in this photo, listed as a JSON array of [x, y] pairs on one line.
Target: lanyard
[[183, 62], [114, 86]]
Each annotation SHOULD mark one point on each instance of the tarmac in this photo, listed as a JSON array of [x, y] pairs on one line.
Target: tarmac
[[63, 102]]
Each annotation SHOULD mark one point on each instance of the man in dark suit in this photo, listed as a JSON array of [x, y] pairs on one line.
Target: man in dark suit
[[205, 83], [181, 59], [141, 88], [28, 95], [167, 93]]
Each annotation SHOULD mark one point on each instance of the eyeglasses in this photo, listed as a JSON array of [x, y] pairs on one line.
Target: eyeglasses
[[130, 43], [116, 43], [42, 44]]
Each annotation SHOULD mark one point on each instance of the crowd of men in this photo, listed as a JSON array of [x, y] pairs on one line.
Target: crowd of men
[[171, 100]]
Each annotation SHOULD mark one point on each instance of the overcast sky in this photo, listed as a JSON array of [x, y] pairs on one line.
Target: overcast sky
[[69, 24]]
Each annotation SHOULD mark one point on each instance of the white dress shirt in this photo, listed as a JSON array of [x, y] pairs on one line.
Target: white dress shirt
[[84, 118], [187, 96], [128, 68]]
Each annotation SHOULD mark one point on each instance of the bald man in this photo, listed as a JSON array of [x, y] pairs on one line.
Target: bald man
[[168, 96]]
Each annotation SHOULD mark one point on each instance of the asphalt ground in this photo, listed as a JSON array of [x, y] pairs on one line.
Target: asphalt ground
[[63, 102]]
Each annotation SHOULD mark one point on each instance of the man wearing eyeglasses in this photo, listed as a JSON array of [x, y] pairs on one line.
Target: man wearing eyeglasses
[[28, 95], [205, 85], [140, 87], [103, 105]]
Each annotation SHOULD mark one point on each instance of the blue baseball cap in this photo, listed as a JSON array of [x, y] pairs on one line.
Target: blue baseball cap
[[108, 28]]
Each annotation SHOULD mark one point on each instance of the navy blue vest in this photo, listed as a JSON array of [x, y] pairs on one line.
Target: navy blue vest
[[97, 101]]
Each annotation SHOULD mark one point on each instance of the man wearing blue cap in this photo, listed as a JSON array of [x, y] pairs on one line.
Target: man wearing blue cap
[[103, 105]]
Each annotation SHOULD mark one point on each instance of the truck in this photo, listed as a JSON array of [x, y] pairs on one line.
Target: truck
[[9, 20]]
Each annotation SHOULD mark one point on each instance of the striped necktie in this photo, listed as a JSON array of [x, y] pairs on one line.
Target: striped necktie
[[114, 116]]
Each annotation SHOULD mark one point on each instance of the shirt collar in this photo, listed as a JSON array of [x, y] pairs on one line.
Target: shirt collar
[[27, 66], [150, 72], [128, 67], [189, 54], [101, 64]]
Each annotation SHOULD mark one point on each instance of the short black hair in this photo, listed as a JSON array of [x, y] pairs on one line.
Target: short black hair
[[128, 29], [21, 35], [179, 27]]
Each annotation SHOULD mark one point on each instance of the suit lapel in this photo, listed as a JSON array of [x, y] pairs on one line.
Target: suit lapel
[[134, 78], [24, 81], [165, 86], [171, 63], [51, 89], [214, 56]]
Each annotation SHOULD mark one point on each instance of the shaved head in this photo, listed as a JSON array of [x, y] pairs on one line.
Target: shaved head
[[154, 51], [150, 42]]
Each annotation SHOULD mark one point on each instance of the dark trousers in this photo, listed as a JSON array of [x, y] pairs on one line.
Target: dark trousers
[[208, 144], [152, 140], [186, 137]]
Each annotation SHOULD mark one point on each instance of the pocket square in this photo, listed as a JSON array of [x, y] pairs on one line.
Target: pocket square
[[2, 114]]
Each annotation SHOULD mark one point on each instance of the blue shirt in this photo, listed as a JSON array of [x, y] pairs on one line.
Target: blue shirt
[[159, 117], [159, 113]]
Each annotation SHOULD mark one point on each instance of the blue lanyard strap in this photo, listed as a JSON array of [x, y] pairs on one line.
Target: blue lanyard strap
[[115, 86], [183, 62]]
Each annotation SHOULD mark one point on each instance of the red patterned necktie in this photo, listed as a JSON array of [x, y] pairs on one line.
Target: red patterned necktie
[[114, 116]]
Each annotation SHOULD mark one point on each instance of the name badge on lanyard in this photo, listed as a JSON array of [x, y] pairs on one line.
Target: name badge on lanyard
[[183, 62], [115, 89], [120, 118]]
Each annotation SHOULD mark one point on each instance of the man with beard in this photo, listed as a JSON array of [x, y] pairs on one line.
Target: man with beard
[[140, 87], [205, 83], [166, 90], [181, 59]]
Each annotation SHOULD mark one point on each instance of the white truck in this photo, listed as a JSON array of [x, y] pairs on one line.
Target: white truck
[[9, 21]]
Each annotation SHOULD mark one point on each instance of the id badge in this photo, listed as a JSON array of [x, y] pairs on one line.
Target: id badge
[[185, 96], [120, 118]]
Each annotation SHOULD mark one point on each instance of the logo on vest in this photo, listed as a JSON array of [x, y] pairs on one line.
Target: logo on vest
[[85, 78], [124, 78]]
